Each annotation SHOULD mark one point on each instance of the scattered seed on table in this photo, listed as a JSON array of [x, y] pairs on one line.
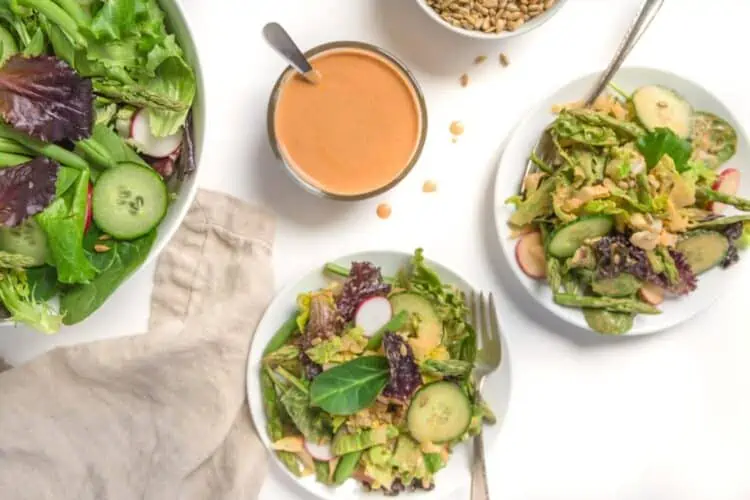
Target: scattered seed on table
[[504, 61], [429, 187], [464, 80], [480, 59], [457, 128], [384, 210]]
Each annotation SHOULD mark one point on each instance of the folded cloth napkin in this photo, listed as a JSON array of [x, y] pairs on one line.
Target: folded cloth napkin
[[161, 415]]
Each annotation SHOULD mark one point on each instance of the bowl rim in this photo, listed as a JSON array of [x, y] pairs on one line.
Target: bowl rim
[[421, 104], [480, 35]]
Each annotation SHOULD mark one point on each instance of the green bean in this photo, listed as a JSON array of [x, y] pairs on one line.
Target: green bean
[[281, 336], [606, 303], [346, 466], [11, 160], [52, 151], [80, 16], [96, 153], [58, 16], [11, 146]]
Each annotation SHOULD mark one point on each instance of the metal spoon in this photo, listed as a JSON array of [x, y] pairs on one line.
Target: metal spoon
[[646, 14], [281, 42]]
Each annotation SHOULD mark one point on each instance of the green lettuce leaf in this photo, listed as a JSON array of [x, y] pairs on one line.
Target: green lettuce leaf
[[63, 222], [114, 20], [662, 142], [114, 266], [17, 297], [174, 79]]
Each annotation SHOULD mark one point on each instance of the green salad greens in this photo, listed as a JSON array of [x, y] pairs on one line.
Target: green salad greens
[[371, 379], [95, 141], [630, 205]]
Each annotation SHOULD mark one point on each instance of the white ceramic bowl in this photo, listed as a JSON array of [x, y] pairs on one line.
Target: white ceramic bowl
[[524, 28], [497, 387], [177, 24], [513, 162]]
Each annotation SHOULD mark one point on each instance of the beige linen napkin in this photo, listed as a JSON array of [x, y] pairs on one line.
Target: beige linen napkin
[[157, 416]]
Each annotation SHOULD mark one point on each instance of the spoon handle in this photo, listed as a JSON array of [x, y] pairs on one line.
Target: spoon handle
[[648, 11], [281, 42]]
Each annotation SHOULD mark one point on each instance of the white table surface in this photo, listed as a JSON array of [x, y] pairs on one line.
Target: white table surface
[[657, 418]]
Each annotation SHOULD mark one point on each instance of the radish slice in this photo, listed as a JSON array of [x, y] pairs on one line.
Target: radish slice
[[373, 314], [89, 212], [651, 294], [727, 183], [530, 255], [148, 143], [320, 452]]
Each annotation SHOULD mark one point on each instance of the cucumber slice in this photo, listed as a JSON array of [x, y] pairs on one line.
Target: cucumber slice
[[569, 238], [704, 249], [622, 285], [660, 107], [129, 201], [430, 329], [414, 304], [27, 239], [714, 139], [439, 412], [607, 322]]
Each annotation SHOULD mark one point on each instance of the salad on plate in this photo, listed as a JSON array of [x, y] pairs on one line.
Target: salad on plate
[[632, 207], [371, 379], [95, 139]]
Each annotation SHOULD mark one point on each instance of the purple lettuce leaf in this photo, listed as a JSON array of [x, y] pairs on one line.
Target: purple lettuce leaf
[[364, 281], [405, 377], [45, 98], [323, 323], [616, 255], [26, 189]]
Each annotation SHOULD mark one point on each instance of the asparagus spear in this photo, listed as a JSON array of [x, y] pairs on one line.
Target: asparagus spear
[[607, 303], [282, 335], [137, 95], [554, 274], [728, 199], [52, 151], [274, 426], [722, 222]]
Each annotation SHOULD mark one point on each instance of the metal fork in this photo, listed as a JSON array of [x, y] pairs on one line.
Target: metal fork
[[544, 148], [489, 357]]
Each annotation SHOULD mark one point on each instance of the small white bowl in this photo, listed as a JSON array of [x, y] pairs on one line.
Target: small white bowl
[[524, 28]]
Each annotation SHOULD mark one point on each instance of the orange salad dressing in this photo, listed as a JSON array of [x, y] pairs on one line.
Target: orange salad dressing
[[356, 130]]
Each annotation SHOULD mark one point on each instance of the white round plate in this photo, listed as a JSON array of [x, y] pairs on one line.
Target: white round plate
[[513, 163], [496, 389]]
